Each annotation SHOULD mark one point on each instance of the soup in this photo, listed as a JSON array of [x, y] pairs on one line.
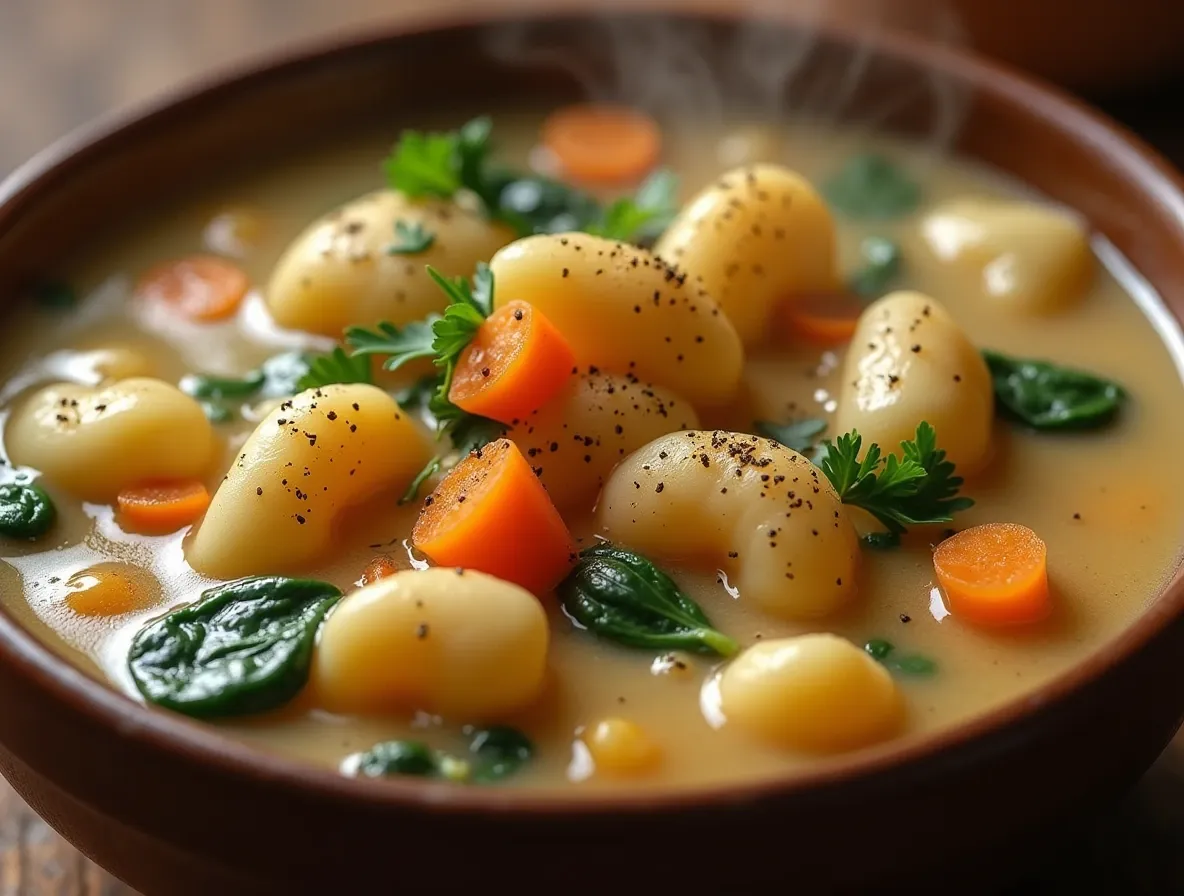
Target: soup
[[572, 472]]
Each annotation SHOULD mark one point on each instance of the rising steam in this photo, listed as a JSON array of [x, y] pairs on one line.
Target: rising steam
[[679, 69]]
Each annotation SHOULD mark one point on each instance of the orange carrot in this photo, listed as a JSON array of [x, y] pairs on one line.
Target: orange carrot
[[995, 574], [377, 569], [602, 144], [160, 508], [824, 318], [514, 365], [491, 513], [201, 287]]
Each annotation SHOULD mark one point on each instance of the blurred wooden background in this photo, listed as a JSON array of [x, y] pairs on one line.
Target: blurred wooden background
[[64, 61]]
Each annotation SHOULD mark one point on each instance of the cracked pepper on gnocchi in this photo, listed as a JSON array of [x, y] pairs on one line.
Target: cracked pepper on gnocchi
[[651, 471]]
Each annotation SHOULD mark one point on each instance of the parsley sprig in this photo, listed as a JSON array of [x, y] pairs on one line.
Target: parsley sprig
[[411, 239], [442, 164], [917, 489], [442, 338]]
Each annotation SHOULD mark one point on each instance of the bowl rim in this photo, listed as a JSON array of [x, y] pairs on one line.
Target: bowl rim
[[201, 743]]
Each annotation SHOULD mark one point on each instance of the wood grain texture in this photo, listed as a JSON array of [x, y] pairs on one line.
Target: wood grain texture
[[64, 61]]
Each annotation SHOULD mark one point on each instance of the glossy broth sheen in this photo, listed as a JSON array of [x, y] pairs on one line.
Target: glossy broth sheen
[[1105, 502]]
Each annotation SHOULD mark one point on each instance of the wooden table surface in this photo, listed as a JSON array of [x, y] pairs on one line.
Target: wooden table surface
[[64, 61]]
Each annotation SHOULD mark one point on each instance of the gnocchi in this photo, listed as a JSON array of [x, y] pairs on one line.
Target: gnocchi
[[94, 442], [624, 310], [341, 270], [315, 457], [748, 506], [575, 440], [816, 692], [1022, 256], [458, 643], [757, 236], [910, 362]]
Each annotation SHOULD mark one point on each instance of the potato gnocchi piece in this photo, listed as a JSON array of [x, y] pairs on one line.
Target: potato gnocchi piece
[[575, 440], [910, 362], [755, 237], [95, 442], [626, 311], [455, 642], [749, 506], [338, 272], [816, 692], [1023, 256], [307, 463]]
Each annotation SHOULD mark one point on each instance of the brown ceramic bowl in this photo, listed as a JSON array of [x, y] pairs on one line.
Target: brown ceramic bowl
[[173, 808]]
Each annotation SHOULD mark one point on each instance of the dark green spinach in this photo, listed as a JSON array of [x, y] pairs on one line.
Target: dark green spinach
[[913, 664], [26, 511], [243, 647], [871, 187], [798, 435], [625, 598], [398, 757], [498, 752], [1048, 396], [495, 753], [881, 265]]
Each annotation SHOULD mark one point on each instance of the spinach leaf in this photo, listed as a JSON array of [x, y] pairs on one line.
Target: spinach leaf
[[498, 752], [625, 598], [881, 265], [797, 435], [871, 187], [55, 295], [913, 664], [203, 386], [398, 757], [881, 541], [244, 647], [26, 511], [540, 205], [1047, 396]]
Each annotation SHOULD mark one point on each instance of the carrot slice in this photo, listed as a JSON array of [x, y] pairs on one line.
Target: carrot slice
[[160, 508], [202, 287], [491, 513], [514, 365], [378, 568], [602, 143], [995, 574], [824, 318]]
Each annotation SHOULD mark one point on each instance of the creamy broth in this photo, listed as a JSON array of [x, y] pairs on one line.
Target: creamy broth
[[1103, 501]]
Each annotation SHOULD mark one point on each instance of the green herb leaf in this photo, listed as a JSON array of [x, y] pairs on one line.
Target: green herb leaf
[[642, 217], [625, 598], [881, 265], [498, 752], [411, 341], [216, 412], [430, 469], [797, 435], [204, 386], [243, 648], [869, 186], [882, 541], [282, 374], [919, 489], [411, 239], [539, 205], [55, 295], [425, 164], [416, 396], [1047, 396], [398, 757], [26, 511], [914, 664], [335, 367]]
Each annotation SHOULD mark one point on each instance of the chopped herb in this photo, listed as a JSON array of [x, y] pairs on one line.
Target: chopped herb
[[643, 216], [882, 541], [425, 164], [623, 597], [798, 435], [335, 367], [411, 239], [869, 186], [918, 490], [416, 396], [1048, 396], [494, 753], [282, 374], [216, 411], [402, 344], [398, 757], [203, 386], [498, 752], [914, 664], [431, 469], [55, 295], [881, 265]]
